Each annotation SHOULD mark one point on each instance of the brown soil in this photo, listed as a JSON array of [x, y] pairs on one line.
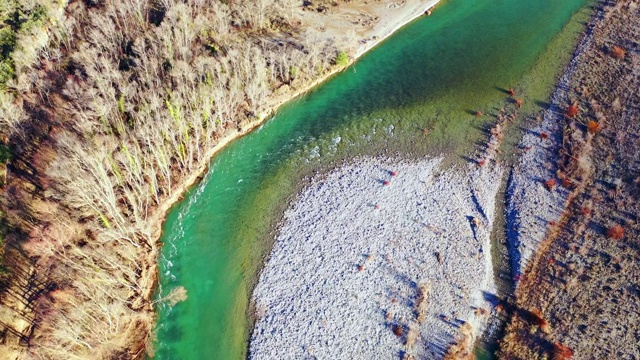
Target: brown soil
[[579, 297]]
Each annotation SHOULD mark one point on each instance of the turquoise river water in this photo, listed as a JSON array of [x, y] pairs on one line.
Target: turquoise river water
[[434, 73]]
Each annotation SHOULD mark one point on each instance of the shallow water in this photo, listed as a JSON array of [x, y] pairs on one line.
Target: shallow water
[[433, 73]]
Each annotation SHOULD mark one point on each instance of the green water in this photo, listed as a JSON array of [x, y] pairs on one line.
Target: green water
[[433, 73]]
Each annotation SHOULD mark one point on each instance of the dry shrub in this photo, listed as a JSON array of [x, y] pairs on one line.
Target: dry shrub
[[463, 348], [129, 123], [397, 330], [412, 335], [550, 184], [615, 232], [561, 352], [618, 53], [177, 294], [572, 111], [519, 102], [420, 306], [593, 127]]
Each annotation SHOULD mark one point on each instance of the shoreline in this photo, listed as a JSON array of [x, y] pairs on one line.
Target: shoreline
[[526, 191], [158, 218], [594, 258]]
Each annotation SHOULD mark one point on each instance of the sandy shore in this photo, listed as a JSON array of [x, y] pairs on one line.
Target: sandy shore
[[354, 254]]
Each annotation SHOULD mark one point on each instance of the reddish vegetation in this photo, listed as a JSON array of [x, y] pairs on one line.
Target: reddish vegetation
[[537, 315], [385, 182], [425, 131], [478, 113], [585, 210], [544, 135], [615, 232], [572, 111], [550, 184], [618, 52], [561, 352], [397, 330], [519, 102], [481, 162], [593, 127], [512, 92], [566, 183], [360, 267], [393, 173]]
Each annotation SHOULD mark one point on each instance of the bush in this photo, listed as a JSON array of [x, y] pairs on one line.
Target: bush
[[615, 232], [342, 59], [572, 111], [593, 127], [618, 53], [7, 42], [550, 184]]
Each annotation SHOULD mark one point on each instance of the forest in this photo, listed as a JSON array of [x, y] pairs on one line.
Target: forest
[[105, 107]]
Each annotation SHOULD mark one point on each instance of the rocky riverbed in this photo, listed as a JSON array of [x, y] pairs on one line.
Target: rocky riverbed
[[379, 259]]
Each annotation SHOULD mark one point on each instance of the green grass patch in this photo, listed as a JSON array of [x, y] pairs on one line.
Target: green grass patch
[[15, 18]]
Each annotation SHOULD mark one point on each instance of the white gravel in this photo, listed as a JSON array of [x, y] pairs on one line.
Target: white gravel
[[312, 299]]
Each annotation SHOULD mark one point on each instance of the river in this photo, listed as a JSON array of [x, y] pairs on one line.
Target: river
[[434, 73]]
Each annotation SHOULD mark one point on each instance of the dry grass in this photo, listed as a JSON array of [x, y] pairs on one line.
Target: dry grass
[[421, 303], [581, 282], [463, 348]]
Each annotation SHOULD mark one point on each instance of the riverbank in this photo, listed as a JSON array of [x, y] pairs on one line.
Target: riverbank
[[217, 251], [59, 174], [387, 21], [581, 282], [380, 258]]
